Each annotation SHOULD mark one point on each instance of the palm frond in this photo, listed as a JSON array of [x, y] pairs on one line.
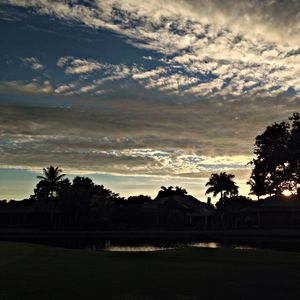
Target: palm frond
[[210, 190]]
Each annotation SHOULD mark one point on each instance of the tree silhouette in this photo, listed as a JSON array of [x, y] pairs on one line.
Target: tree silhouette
[[170, 191], [140, 199], [277, 161], [272, 157], [49, 184], [222, 183], [83, 183], [180, 190], [77, 199], [257, 184], [294, 151], [86, 203]]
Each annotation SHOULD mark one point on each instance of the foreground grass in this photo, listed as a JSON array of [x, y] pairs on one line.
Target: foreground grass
[[38, 272]]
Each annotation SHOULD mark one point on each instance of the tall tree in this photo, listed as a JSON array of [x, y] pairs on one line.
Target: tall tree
[[272, 156], [277, 161], [50, 181], [257, 184], [222, 183], [294, 151]]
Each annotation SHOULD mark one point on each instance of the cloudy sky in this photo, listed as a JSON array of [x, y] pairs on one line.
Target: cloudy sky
[[139, 94]]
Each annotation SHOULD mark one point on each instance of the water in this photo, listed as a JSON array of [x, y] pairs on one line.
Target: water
[[213, 245], [141, 248], [145, 244], [154, 247]]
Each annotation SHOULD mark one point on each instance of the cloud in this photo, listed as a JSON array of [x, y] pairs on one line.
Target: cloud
[[213, 75], [79, 66], [148, 57], [166, 140], [265, 18], [140, 74], [65, 88], [32, 87], [33, 63], [208, 40], [206, 88], [183, 143], [82, 67]]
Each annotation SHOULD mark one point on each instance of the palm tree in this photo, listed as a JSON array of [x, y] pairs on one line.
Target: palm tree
[[222, 183], [257, 185], [52, 176], [180, 191], [170, 191]]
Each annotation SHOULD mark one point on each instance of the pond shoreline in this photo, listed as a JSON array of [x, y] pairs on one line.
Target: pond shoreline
[[273, 238]]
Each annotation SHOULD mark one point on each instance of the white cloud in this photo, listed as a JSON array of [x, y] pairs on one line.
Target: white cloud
[[148, 57], [33, 87], [78, 65], [203, 38], [82, 66], [142, 74], [206, 88], [33, 63], [63, 88]]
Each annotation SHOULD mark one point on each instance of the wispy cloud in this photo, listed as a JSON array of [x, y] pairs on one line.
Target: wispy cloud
[[32, 87], [65, 88], [33, 63], [162, 140], [79, 66], [210, 76], [207, 40], [82, 67]]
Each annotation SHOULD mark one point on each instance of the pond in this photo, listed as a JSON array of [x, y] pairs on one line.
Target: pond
[[123, 247], [141, 242]]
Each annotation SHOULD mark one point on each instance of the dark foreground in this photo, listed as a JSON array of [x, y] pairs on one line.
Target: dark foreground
[[39, 272]]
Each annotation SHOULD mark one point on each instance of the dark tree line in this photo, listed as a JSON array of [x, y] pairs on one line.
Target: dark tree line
[[82, 204], [53, 186], [80, 199]]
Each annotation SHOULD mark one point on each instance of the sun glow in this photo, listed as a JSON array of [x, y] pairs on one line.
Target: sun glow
[[286, 193]]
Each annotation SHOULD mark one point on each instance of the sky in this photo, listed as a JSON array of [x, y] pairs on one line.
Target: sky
[[140, 94]]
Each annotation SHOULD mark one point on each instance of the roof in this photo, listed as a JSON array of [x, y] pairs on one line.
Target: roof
[[190, 204], [276, 202]]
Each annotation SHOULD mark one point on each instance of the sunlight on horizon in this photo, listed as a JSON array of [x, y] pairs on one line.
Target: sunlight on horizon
[[287, 193]]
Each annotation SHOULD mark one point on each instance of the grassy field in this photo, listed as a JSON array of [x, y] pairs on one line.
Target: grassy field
[[39, 272]]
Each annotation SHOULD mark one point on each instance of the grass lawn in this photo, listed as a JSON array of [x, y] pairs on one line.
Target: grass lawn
[[39, 272]]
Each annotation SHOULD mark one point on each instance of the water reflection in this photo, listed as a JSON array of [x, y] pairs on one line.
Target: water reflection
[[243, 248], [214, 245], [143, 248], [154, 247], [207, 245], [141, 245]]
